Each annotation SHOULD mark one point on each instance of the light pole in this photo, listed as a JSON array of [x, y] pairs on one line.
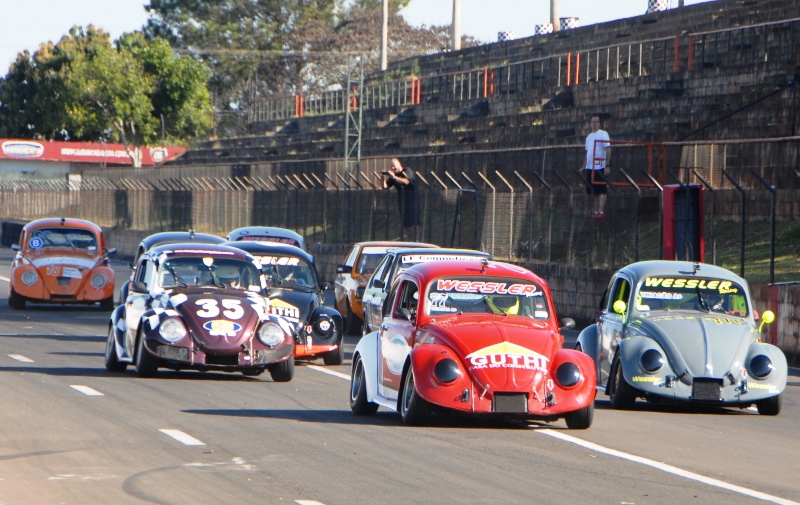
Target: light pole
[[456, 25], [385, 35], [554, 15]]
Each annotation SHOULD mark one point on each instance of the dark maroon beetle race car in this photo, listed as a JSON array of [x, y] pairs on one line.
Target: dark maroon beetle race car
[[475, 337], [201, 307]]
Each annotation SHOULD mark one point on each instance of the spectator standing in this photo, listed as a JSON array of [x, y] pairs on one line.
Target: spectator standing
[[404, 181], [598, 154]]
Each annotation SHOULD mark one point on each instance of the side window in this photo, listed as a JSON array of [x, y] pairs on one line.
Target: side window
[[409, 297], [620, 291], [351, 258], [388, 304], [144, 273], [380, 270]]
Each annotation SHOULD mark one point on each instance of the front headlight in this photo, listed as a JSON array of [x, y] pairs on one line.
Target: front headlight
[[98, 281], [323, 327], [651, 360], [30, 277], [760, 366], [172, 330], [270, 334], [568, 375], [446, 371]]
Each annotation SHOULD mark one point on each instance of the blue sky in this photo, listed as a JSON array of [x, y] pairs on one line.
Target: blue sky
[[24, 24]]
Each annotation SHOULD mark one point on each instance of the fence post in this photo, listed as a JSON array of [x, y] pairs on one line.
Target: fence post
[[494, 207], [638, 213], [742, 217], [660, 213], [511, 217], [772, 190], [713, 215]]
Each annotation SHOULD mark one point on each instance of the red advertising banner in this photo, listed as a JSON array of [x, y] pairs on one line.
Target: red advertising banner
[[84, 152]]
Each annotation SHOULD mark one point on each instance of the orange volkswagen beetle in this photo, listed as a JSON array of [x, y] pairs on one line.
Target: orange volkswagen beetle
[[61, 260]]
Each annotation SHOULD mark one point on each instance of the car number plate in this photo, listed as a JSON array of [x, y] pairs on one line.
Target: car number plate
[[707, 389], [514, 403], [63, 281]]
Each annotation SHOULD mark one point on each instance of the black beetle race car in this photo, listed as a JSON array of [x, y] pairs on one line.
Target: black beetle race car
[[296, 295], [201, 307], [682, 331]]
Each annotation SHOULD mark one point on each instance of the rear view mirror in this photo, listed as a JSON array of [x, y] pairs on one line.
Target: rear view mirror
[[343, 269], [566, 323]]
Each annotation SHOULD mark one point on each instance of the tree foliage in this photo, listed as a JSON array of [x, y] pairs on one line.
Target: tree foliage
[[84, 88]]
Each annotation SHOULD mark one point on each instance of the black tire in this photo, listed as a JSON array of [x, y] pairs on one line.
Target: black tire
[[622, 395], [107, 304], [113, 364], [580, 419], [358, 391], [283, 371], [770, 407], [146, 364], [352, 323], [16, 301], [335, 357], [414, 410]]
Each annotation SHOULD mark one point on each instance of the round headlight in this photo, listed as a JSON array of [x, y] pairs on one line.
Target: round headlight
[[446, 371], [652, 360], [172, 330], [568, 375], [760, 366], [98, 281], [270, 334], [30, 277], [323, 327]]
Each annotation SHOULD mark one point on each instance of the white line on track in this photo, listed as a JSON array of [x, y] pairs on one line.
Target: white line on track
[[308, 502], [4, 279], [329, 372], [87, 390], [668, 468], [20, 357], [182, 437], [630, 457]]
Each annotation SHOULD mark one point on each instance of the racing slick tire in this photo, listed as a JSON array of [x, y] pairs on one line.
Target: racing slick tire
[[414, 410], [622, 395], [283, 371], [16, 301], [352, 323], [358, 391], [107, 303], [113, 364], [770, 406], [146, 364], [580, 419], [336, 356]]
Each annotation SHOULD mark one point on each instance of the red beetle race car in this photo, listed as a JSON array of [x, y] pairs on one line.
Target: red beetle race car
[[61, 260], [479, 337]]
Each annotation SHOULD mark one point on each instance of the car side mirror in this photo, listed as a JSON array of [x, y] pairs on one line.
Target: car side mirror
[[16, 247], [379, 284], [619, 307], [343, 269], [766, 318], [405, 314], [111, 251], [324, 286], [566, 323], [139, 286]]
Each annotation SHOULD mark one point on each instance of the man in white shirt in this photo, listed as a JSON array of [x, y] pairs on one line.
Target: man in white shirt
[[598, 153]]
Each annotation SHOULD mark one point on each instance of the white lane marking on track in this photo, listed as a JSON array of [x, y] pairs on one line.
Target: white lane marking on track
[[329, 372], [4, 279], [87, 390], [308, 502], [182, 437], [668, 468], [20, 357]]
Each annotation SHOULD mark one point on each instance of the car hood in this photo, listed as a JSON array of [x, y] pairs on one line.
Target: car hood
[[501, 353], [219, 320], [294, 306], [704, 345]]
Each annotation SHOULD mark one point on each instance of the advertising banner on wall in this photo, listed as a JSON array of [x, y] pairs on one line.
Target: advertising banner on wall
[[84, 152]]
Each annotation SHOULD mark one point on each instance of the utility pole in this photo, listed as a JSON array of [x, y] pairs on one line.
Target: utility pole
[[385, 35], [456, 25], [554, 15]]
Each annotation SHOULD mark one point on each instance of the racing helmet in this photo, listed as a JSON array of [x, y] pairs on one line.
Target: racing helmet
[[503, 304], [228, 274]]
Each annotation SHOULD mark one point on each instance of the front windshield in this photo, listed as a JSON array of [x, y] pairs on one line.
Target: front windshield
[[287, 271], [369, 259], [74, 238], [482, 295], [694, 293], [209, 271]]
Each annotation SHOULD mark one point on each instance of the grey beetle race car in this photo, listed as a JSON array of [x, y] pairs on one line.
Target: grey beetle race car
[[682, 331]]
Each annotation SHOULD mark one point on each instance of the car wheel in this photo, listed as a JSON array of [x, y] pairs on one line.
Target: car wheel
[[146, 364], [358, 391], [414, 410], [335, 357], [623, 396], [107, 304], [113, 364], [770, 406], [16, 301], [283, 371], [352, 323], [580, 419]]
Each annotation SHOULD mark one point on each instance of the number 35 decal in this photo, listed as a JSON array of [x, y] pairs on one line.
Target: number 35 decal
[[211, 309]]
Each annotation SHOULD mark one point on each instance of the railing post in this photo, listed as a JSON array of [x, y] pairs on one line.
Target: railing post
[[742, 217], [774, 192]]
